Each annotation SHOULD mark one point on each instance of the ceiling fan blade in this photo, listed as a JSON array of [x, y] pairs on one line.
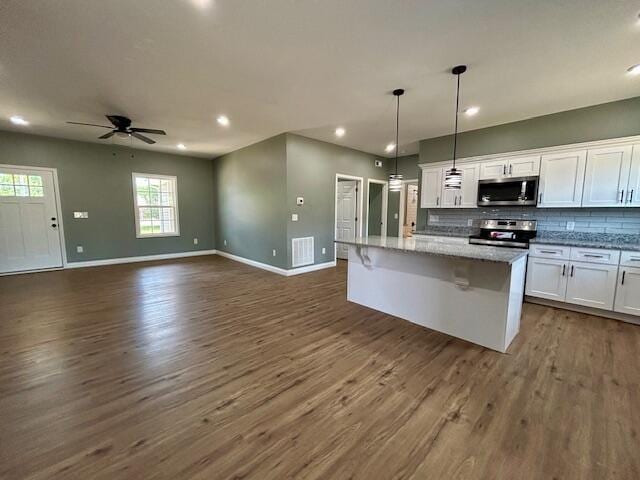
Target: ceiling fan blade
[[106, 135], [143, 138], [120, 122], [149, 130], [89, 124]]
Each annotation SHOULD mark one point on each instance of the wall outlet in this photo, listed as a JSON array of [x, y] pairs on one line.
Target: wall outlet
[[80, 249], [571, 225], [274, 252], [294, 217], [395, 216], [470, 222], [434, 218], [195, 241], [300, 201], [225, 242], [324, 251]]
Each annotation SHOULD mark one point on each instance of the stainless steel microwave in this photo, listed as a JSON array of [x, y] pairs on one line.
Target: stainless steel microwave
[[508, 191]]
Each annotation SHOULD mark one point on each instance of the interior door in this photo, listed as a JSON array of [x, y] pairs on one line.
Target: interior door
[[547, 278], [347, 215], [607, 177], [562, 179], [627, 297], [592, 285], [29, 233]]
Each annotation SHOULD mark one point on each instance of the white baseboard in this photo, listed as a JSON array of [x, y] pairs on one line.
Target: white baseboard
[[144, 258], [278, 270]]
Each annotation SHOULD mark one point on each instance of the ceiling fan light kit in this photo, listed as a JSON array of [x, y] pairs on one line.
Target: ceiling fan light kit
[[122, 128]]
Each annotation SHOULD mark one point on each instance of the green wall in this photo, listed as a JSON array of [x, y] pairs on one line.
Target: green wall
[[374, 210], [599, 122], [97, 179], [408, 168], [312, 166], [250, 198]]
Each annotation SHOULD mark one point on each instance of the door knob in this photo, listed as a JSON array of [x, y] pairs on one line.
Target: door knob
[[53, 219], [54, 225]]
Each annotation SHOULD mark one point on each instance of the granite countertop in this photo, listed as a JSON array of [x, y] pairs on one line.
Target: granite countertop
[[440, 248], [590, 240]]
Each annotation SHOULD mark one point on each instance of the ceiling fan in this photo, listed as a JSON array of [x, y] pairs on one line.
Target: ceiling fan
[[123, 127]]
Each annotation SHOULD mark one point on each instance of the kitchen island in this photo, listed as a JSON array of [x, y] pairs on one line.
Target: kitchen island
[[468, 291]]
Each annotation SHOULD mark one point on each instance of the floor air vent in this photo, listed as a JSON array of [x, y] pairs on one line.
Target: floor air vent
[[302, 251]]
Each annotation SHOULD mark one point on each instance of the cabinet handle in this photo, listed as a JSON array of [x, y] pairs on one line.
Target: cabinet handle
[[510, 169], [437, 201], [621, 196], [564, 269], [593, 256], [540, 197], [571, 271], [548, 251], [504, 169], [623, 274], [631, 196]]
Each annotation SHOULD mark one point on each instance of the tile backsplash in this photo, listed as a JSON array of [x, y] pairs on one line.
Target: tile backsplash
[[587, 220]]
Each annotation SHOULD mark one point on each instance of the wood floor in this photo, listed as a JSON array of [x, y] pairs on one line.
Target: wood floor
[[206, 368]]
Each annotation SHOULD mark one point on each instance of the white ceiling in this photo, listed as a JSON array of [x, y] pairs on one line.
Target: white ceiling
[[307, 65]]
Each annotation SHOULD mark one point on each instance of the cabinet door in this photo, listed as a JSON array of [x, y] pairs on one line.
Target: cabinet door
[[493, 169], [633, 187], [607, 177], [561, 179], [431, 187], [592, 285], [469, 191], [628, 292], [547, 278], [524, 166]]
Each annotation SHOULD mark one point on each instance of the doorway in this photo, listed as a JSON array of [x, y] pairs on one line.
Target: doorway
[[408, 208], [348, 224], [30, 228], [377, 196]]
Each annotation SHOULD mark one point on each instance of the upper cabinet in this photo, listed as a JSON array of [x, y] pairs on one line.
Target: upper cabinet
[[607, 177], [632, 195], [525, 166], [562, 179], [431, 187]]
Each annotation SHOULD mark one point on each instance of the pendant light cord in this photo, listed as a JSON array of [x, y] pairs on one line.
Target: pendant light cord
[[455, 135], [397, 128]]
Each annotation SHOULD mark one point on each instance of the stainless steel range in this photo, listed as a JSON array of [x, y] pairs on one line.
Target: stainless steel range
[[505, 233]]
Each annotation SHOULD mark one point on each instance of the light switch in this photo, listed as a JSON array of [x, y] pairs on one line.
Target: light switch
[[80, 214], [571, 225], [274, 252], [294, 217], [395, 215], [195, 241], [80, 249], [324, 250], [225, 242]]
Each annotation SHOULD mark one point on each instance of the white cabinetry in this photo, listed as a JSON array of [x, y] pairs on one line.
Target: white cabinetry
[[431, 187], [547, 278], [561, 179], [607, 177], [592, 285], [628, 292], [525, 166], [633, 187]]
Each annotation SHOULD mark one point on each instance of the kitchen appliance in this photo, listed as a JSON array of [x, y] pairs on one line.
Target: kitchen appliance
[[505, 233], [508, 191]]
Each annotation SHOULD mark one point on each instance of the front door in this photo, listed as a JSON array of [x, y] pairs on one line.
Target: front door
[[347, 218], [29, 233]]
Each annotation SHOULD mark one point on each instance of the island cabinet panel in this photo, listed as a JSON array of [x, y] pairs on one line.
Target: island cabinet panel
[[628, 291], [562, 179], [607, 177], [547, 278], [592, 285]]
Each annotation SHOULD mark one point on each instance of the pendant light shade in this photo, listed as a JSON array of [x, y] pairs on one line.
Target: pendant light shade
[[453, 176], [395, 179]]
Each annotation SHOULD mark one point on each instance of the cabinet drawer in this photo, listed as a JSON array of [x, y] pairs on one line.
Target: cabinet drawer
[[595, 255], [630, 259], [550, 251]]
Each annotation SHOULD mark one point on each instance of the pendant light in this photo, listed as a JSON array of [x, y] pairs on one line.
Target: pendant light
[[453, 176], [395, 179]]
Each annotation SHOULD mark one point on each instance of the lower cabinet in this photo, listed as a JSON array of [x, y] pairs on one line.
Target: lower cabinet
[[592, 285], [546, 278], [628, 292]]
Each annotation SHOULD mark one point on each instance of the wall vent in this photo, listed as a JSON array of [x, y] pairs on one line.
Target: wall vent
[[301, 251]]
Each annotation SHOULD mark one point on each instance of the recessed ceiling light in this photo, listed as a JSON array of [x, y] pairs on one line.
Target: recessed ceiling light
[[340, 132], [18, 120], [471, 111], [389, 148], [634, 70], [223, 120], [181, 146]]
